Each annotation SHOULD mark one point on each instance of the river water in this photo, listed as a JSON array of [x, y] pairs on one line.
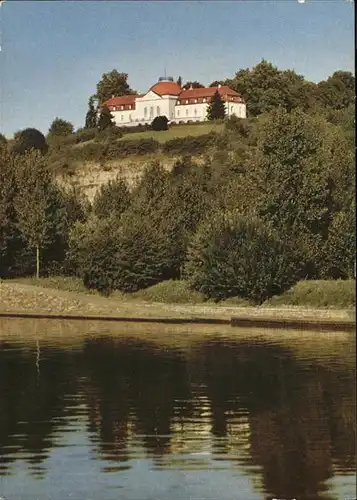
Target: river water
[[135, 412]]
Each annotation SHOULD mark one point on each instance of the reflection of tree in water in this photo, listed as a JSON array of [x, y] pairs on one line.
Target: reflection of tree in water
[[299, 416], [134, 386], [294, 413], [30, 398]]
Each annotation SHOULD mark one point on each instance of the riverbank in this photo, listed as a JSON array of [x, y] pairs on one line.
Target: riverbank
[[21, 298]]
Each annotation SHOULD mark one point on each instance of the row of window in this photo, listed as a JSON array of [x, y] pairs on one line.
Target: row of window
[[121, 108], [152, 111]]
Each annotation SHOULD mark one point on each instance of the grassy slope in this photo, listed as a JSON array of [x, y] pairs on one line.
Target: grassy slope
[[309, 294]]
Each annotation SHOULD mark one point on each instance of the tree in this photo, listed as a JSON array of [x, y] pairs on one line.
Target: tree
[[290, 182], [27, 139], [60, 127], [338, 91], [106, 119], [160, 123], [216, 109], [3, 140], [179, 81], [235, 256], [265, 87], [91, 116], [194, 85], [9, 234], [112, 84], [216, 83], [34, 202], [112, 199]]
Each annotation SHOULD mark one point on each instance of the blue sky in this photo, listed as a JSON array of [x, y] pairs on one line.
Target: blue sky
[[54, 53]]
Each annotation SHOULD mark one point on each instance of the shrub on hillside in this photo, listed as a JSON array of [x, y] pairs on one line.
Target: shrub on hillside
[[124, 148], [93, 151], [109, 134], [190, 144], [85, 134], [233, 256], [160, 123]]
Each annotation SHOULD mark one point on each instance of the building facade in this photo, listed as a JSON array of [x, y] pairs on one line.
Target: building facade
[[167, 98]]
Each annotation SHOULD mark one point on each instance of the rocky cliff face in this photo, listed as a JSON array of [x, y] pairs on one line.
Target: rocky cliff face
[[89, 176]]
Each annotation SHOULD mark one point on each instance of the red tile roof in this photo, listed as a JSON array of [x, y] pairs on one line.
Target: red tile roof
[[166, 88], [121, 101], [207, 92]]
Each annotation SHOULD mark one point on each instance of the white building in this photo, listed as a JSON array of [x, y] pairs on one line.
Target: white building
[[167, 98]]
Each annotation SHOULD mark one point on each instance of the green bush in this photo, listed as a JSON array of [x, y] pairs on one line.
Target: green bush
[[85, 134], [124, 148], [170, 292], [160, 123], [319, 293], [190, 144], [130, 258], [233, 256], [108, 134]]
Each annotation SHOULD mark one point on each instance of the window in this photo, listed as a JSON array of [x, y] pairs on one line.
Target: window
[[145, 111], [178, 112], [232, 109], [122, 117], [158, 111], [151, 110], [187, 101], [130, 118], [204, 99], [195, 111], [195, 101], [178, 102], [122, 108], [186, 112]]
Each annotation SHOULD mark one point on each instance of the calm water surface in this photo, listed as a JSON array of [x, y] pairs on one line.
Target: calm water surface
[[154, 412]]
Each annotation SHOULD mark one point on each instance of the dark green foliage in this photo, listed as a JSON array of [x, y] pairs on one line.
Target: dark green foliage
[[124, 148], [216, 109], [179, 81], [10, 238], [60, 127], [91, 121], [239, 125], [112, 84], [3, 140], [112, 199], [194, 85], [338, 91], [160, 123], [85, 135], [109, 134], [232, 256], [190, 144], [27, 139], [340, 247], [105, 119]]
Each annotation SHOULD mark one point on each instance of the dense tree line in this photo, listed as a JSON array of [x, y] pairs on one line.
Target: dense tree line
[[271, 202]]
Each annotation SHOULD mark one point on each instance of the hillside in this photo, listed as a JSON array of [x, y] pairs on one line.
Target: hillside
[[91, 163]]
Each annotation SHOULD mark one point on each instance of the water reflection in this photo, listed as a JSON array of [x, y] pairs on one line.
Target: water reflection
[[253, 407]]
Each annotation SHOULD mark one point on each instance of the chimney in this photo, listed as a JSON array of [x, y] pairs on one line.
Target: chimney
[[113, 96], [191, 88], [219, 85]]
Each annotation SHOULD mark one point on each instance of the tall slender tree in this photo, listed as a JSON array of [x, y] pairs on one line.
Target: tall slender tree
[[216, 109], [106, 119], [91, 116], [33, 202]]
